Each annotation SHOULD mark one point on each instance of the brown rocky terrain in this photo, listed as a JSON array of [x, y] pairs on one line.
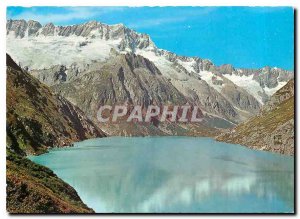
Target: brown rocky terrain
[[273, 129]]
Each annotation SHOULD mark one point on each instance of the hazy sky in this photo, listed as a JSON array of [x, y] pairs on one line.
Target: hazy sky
[[250, 37]]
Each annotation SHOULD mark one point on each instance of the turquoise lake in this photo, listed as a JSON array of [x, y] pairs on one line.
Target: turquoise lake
[[174, 174]]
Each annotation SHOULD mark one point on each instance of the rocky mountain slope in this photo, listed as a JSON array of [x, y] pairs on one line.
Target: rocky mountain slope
[[61, 56], [38, 119], [134, 80], [271, 130]]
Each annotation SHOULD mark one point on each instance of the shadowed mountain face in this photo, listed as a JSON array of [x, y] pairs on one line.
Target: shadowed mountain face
[[37, 118], [271, 130], [94, 63]]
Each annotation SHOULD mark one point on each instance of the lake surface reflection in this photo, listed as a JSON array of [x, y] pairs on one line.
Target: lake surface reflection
[[174, 174]]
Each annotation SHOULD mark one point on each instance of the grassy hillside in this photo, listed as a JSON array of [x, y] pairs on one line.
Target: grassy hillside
[[32, 188], [271, 130]]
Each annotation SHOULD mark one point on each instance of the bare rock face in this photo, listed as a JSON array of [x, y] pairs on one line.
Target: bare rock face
[[123, 79], [33, 27], [269, 77], [135, 80], [271, 130], [225, 69], [48, 29], [240, 98], [18, 27]]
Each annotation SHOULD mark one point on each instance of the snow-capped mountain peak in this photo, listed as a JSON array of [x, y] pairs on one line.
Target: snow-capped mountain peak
[[39, 46]]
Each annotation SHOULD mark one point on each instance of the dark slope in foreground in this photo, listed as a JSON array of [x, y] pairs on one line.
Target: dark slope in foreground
[[32, 188], [271, 130], [38, 119]]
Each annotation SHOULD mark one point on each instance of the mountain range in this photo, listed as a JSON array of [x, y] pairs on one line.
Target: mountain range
[[93, 63]]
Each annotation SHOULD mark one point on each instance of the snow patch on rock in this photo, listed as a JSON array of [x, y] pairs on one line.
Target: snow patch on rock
[[249, 84]]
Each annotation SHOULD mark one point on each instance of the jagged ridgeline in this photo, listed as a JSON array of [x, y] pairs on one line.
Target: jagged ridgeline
[[109, 64], [38, 119]]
